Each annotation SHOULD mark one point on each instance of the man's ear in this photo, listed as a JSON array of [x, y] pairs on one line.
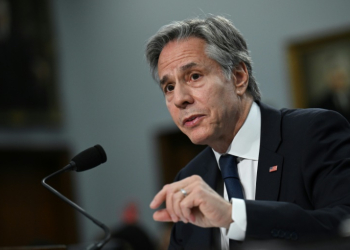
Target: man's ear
[[241, 78]]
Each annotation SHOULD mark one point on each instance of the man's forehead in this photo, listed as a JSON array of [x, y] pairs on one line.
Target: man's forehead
[[186, 47], [182, 54]]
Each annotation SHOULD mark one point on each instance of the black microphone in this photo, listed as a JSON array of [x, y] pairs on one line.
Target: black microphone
[[87, 159]]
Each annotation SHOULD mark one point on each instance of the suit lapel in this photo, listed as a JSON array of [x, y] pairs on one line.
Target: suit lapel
[[214, 180], [210, 173], [268, 180]]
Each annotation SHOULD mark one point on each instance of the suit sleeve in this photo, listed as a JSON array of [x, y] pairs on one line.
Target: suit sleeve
[[189, 236], [325, 174], [176, 241]]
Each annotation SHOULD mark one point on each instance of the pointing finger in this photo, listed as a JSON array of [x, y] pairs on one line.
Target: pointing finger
[[159, 198]]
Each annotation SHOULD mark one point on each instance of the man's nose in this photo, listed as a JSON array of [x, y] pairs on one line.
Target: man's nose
[[183, 96]]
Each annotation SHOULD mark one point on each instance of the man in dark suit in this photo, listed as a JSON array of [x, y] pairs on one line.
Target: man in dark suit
[[292, 166]]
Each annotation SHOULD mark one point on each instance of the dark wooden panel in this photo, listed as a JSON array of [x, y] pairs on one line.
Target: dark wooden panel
[[176, 150], [29, 213]]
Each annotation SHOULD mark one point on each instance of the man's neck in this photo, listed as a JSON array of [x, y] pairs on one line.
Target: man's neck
[[222, 146]]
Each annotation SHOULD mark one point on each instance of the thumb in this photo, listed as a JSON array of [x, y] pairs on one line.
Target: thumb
[[162, 215]]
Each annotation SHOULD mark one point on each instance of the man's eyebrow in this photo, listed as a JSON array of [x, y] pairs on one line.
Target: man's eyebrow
[[163, 80], [188, 66], [182, 68]]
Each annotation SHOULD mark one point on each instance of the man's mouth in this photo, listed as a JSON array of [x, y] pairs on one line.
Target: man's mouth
[[192, 120]]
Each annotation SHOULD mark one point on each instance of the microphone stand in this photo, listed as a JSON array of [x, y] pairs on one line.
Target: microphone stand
[[94, 246]]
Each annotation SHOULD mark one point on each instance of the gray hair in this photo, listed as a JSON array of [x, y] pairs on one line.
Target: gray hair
[[225, 45]]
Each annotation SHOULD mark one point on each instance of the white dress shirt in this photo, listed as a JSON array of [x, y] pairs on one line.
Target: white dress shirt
[[245, 146]]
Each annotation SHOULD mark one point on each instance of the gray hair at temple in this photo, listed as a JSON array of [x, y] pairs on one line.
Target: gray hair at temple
[[225, 45]]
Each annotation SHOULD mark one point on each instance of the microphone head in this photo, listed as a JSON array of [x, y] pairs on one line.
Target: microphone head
[[89, 158]]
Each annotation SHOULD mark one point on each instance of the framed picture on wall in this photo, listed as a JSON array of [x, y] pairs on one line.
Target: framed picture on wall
[[320, 72], [28, 87]]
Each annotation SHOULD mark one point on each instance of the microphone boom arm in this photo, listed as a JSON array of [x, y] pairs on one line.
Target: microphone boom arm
[[69, 167]]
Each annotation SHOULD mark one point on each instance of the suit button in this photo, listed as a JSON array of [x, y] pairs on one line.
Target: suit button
[[275, 232], [293, 236]]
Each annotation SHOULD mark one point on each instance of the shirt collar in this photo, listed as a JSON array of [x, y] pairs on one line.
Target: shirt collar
[[246, 143]]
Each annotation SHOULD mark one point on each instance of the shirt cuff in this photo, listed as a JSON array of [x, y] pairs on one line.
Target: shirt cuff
[[238, 227]]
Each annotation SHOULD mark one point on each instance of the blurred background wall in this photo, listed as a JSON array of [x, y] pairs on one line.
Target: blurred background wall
[[107, 95]]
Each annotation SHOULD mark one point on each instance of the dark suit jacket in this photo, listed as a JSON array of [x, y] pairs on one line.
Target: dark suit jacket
[[305, 199]]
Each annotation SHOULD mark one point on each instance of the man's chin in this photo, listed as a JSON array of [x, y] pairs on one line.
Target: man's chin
[[198, 140], [198, 135]]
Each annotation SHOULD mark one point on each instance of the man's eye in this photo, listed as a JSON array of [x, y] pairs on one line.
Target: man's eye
[[195, 76], [169, 88]]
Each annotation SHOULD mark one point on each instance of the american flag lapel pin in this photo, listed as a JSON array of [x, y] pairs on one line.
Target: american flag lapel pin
[[273, 169]]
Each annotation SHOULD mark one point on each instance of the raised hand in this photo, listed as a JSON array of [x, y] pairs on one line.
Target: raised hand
[[197, 203]]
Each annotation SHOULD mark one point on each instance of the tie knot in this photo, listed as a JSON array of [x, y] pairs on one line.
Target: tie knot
[[228, 157], [228, 166]]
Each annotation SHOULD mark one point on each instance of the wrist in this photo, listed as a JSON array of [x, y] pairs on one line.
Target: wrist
[[229, 216]]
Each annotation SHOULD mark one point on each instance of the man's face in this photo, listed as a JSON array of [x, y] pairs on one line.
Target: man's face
[[201, 101]]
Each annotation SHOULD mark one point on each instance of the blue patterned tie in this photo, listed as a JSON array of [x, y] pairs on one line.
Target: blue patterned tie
[[228, 166]]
